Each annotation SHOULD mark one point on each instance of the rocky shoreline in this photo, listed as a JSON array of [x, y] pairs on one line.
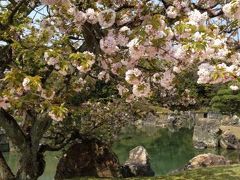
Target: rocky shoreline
[[210, 129]]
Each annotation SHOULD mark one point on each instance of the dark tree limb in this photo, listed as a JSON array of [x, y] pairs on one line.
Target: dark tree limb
[[14, 11], [165, 4], [21, 7], [38, 129], [126, 6], [5, 58], [11, 16], [47, 147], [92, 35], [12, 129]]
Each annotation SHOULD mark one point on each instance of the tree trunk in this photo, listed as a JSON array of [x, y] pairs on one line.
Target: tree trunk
[[5, 171], [32, 162], [32, 165]]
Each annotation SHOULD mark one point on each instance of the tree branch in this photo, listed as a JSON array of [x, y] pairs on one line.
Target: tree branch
[[13, 130], [165, 4], [39, 127], [46, 147], [125, 6], [14, 11]]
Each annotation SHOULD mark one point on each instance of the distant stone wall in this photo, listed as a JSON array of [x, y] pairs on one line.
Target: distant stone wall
[[168, 120], [207, 130], [184, 119], [205, 125]]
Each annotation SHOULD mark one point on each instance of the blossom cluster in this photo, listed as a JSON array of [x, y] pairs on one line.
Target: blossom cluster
[[186, 41], [136, 45], [85, 61], [4, 103], [232, 9], [177, 6], [194, 40], [106, 18], [140, 88], [167, 79], [29, 86], [220, 73], [58, 113]]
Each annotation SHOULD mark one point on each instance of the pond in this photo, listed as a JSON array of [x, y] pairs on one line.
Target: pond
[[168, 150]]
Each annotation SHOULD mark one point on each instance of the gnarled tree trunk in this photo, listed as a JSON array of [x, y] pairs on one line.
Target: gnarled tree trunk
[[32, 165], [32, 162]]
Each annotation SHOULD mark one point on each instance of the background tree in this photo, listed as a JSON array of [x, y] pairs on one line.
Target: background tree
[[227, 101]]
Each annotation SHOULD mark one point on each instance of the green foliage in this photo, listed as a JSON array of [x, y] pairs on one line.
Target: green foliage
[[186, 81], [226, 101], [103, 90]]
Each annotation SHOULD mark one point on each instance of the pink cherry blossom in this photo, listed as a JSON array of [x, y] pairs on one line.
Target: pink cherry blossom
[[92, 16], [166, 80], [26, 84], [141, 90], [109, 45], [133, 76], [4, 103], [106, 18]]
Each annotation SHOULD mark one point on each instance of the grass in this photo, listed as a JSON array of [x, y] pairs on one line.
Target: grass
[[231, 172], [213, 173]]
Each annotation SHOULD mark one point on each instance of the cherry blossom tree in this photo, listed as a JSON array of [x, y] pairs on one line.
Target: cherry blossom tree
[[135, 47]]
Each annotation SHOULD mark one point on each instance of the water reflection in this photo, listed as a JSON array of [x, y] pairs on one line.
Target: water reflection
[[168, 150]]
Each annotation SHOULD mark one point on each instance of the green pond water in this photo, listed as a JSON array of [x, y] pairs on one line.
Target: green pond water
[[168, 150]]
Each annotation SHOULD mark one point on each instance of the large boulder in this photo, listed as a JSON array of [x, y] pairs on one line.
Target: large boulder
[[229, 141], [138, 163], [206, 160], [88, 158], [230, 137], [231, 129], [206, 133]]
